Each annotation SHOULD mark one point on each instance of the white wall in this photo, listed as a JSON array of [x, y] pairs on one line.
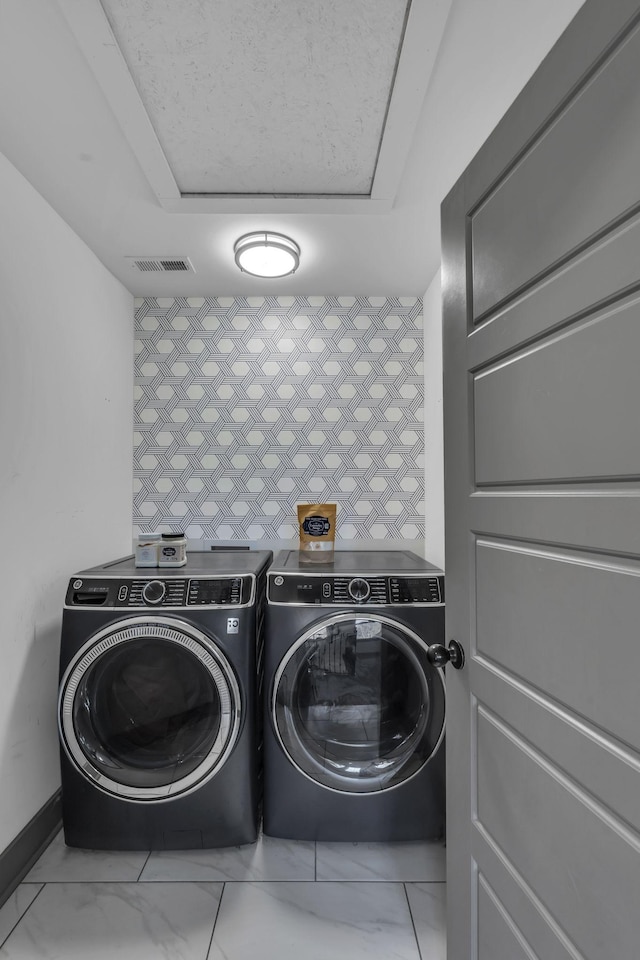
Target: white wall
[[433, 439], [66, 347]]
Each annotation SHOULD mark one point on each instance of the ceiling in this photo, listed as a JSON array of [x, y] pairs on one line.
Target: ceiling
[[165, 129], [255, 97]]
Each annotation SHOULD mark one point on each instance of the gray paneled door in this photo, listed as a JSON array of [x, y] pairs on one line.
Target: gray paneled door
[[541, 276]]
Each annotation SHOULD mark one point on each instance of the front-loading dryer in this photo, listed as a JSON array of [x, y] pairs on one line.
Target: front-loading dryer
[[354, 709], [158, 709]]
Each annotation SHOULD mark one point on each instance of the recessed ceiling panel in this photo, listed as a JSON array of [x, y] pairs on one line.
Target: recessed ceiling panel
[[264, 96]]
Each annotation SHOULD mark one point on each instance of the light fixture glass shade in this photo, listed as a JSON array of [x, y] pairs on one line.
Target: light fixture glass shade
[[267, 254]]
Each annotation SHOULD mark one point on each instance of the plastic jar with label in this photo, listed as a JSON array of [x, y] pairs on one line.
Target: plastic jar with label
[[172, 550], [147, 550]]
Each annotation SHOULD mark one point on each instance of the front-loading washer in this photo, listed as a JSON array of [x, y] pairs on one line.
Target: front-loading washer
[[158, 711], [354, 709]]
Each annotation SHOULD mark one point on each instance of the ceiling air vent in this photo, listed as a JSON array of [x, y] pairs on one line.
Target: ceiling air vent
[[161, 264]]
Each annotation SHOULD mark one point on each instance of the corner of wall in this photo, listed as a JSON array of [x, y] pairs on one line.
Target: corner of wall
[[434, 447]]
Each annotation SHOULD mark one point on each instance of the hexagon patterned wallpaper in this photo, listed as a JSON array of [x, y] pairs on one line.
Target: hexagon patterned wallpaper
[[246, 407]]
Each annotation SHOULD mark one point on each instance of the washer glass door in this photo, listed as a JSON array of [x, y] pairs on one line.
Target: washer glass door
[[149, 709], [356, 705]]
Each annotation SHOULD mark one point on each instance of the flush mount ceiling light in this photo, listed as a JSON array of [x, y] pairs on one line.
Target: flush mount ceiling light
[[267, 254]]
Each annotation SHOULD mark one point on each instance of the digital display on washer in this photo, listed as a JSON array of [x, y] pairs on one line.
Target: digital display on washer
[[415, 590], [215, 592]]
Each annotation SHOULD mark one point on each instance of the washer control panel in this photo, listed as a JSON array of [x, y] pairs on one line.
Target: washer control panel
[[156, 592], [346, 591]]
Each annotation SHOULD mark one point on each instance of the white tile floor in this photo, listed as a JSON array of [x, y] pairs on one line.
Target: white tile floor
[[272, 899]]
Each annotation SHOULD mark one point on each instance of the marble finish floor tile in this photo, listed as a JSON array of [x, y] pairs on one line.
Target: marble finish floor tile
[[267, 859], [428, 902], [139, 921], [288, 921], [406, 862], [13, 908], [60, 863]]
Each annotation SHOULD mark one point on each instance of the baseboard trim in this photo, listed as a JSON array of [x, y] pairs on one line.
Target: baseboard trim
[[22, 853]]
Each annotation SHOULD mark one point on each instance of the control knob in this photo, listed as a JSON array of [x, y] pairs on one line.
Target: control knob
[[359, 589], [153, 592]]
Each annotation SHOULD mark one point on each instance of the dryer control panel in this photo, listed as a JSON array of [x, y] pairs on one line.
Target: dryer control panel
[[322, 589], [156, 591]]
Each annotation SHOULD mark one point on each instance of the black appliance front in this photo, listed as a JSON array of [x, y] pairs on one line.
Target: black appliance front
[[355, 713], [159, 713]]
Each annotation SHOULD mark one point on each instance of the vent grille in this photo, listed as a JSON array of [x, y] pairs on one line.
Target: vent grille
[[161, 264]]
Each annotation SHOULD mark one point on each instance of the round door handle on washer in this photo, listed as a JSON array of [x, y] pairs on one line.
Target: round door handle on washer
[[153, 592], [438, 655]]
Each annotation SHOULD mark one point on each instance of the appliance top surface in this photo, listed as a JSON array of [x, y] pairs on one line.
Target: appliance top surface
[[215, 563], [355, 563]]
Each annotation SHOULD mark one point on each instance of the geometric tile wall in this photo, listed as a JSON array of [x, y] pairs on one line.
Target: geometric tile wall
[[247, 406]]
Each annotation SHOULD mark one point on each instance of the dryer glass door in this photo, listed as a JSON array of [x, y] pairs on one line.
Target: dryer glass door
[[357, 706], [149, 710]]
